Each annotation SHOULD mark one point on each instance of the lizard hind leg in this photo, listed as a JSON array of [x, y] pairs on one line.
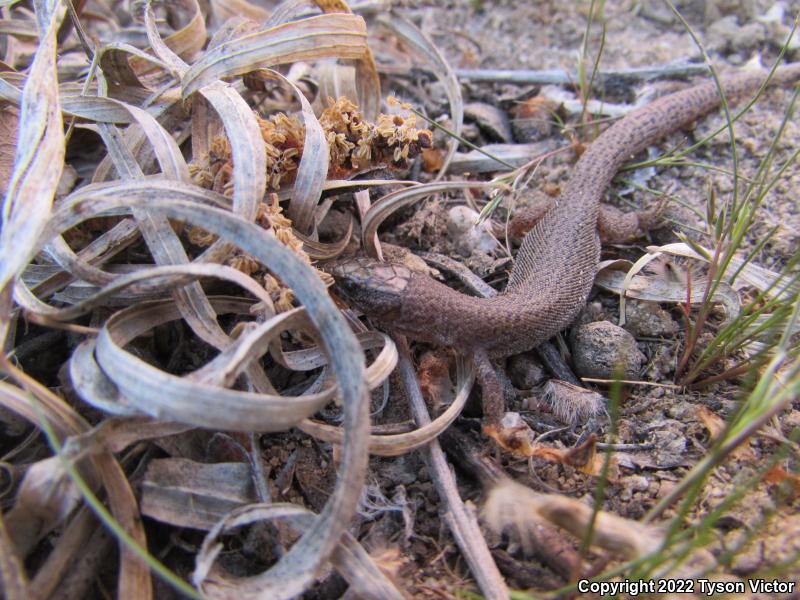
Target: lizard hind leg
[[492, 398]]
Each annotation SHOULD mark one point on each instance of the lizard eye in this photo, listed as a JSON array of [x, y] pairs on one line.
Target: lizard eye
[[348, 284]]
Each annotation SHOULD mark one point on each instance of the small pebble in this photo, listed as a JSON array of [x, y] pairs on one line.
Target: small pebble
[[524, 371], [600, 349], [466, 235], [636, 483], [648, 319], [726, 35]]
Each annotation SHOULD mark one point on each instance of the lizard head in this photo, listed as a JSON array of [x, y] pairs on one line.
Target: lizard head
[[376, 288]]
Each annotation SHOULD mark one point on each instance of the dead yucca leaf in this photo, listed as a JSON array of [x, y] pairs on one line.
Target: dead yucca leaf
[[332, 35], [348, 557], [9, 124], [666, 282], [39, 158]]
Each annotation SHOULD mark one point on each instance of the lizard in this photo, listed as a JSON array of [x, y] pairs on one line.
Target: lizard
[[555, 266]]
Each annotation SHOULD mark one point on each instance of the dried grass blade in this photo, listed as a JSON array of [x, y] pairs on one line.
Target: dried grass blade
[[93, 386], [12, 573], [659, 289], [760, 278], [23, 29], [70, 544], [134, 574], [44, 500], [349, 558], [185, 493], [39, 156], [115, 63], [200, 403], [323, 36], [149, 280], [313, 169], [163, 243], [98, 251], [368, 83], [96, 109], [248, 153], [181, 45], [313, 358], [402, 443], [326, 250], [222, 10]]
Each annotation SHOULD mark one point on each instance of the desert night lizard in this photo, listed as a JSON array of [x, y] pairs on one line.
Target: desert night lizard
[[556, 263]]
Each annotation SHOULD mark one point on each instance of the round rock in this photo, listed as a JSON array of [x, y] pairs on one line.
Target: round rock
[[599, 349], [648, 319]]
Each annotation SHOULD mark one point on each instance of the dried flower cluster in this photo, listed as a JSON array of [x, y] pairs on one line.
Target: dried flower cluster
[[283, 140], [270, 216], [354, 145]]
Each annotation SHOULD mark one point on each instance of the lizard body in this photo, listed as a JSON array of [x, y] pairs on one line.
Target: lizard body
[[556, 263]]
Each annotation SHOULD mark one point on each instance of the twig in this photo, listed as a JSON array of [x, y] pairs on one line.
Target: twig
[[604, 78], [553, 361], [461, 522], [669, 386]]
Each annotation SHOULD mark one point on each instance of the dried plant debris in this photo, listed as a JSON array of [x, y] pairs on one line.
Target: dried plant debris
[[186, 409], [355, 145]]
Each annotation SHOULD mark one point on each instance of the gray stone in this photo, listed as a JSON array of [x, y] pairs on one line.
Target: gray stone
[[648, 319], [524, 371], [601, 349]]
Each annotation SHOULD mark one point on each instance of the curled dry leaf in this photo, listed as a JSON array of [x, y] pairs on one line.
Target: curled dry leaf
[[716, 426], [45, 499], [514, 435], [509, 505], [39, 156], [661, 288], [185, 493], [401, 443]]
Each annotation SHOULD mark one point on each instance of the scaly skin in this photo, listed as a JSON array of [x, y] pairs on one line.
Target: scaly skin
[[556, 263]]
